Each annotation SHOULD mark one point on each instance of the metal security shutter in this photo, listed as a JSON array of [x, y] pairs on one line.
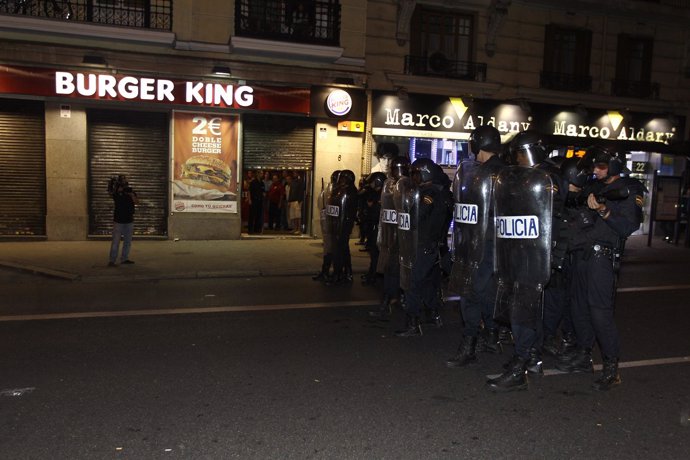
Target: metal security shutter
[[277, 142], [22, 168], [134, 144]]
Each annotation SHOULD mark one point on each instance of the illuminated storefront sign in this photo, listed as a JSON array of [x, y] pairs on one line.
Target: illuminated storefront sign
[[421, 115], [439, 116], [145, 89]]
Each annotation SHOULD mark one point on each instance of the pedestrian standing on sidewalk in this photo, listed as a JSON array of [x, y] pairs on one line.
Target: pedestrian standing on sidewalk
[[295, 196], [125, 198]]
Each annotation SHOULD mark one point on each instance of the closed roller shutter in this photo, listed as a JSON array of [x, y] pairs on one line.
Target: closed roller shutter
[[134, 144], [277, 142], [22, 168]]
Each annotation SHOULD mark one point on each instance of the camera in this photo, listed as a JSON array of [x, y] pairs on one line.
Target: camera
[[617, 194]]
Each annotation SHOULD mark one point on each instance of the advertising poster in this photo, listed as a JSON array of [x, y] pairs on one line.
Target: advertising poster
[[204, 162]]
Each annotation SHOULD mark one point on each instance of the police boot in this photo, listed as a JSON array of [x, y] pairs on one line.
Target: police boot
[[534, 363], [489, 342], [434, 317], [466, 353], [609, 375], [347, 277], [384, 311], [413, 328], [321, 276], [568, 344], [514, 377], [505, 336], [581, 362], [552, 346]]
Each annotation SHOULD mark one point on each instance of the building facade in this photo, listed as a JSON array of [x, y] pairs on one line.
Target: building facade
[[586, 72], [182, 97], [186, 97]]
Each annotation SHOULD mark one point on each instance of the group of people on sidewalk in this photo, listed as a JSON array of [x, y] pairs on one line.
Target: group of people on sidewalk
[[536, 245], [274, 197]]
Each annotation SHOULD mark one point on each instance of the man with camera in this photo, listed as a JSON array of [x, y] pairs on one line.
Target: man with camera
[[615, 212], [125, 199]]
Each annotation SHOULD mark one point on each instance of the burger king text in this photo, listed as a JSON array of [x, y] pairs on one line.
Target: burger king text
[[150, 89]]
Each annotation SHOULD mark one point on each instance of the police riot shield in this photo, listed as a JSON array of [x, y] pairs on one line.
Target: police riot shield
[[347, 200], [407, 198], [333, 213], [387, 238], [471, 196], [523, 204], [323, 202]]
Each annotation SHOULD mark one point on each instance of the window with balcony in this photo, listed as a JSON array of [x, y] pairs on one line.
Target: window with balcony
[[634, 68], [301, 21], [441, 45], [148, 14], [567, 53]]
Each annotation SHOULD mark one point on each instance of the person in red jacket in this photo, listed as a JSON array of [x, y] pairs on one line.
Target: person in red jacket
[[275, 199]]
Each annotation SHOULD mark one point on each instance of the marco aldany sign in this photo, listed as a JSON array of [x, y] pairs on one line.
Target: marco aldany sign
[[422, 115]]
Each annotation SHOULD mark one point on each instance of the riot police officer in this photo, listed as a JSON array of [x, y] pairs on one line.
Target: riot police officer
[[616, 210], [372, 200], [557, 294], [387, 239], [422, 210], [473, 248], [343, 211], [524, 205], [328, 238]]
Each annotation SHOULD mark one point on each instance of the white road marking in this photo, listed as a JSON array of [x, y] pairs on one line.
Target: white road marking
[[186, 310], [671, 287], [622, 365]]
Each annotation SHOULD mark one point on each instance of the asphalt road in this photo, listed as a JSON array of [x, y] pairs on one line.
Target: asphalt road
[[314, 382]]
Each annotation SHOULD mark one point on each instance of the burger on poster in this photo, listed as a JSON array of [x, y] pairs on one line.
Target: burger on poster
[[206, 172]]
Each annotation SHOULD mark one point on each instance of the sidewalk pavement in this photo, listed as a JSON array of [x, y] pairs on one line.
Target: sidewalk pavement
[[249, 257], [156, 259]]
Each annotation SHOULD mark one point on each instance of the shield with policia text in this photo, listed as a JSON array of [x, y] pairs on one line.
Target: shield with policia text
[[472, 190], [406, 198], [324, 198], [387, 238], [523, 204]]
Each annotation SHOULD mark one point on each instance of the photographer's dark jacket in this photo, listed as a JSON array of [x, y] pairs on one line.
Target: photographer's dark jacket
[[124, 207], [624, 219]]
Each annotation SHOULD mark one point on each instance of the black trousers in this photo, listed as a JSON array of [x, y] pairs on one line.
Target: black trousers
[[479, 304], [592, 308], [256, 217], [425, 281]]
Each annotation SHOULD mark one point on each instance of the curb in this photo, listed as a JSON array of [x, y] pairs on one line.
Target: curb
[[35, 270]]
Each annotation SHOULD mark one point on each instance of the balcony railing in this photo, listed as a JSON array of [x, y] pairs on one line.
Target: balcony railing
[[438, 65], [639, 89], [146, 14], [565, 81], [312, 22]]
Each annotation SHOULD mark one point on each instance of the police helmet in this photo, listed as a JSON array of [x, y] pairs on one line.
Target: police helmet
[[485, 138], [400, 166], [599, 154], [375, 180], [573, 172], [527, 146], [335, 175], [426, 170], [347, 176]]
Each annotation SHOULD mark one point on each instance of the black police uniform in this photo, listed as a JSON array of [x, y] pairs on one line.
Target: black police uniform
[[594, 275], [426, 271], [342, 261], [479, 305]]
